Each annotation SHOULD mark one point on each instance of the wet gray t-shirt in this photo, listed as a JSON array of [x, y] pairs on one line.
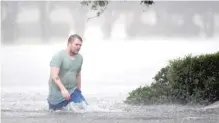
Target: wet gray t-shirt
[[67, 73]]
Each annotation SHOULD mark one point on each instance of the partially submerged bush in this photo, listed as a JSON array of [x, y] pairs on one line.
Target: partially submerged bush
[[193, 79]]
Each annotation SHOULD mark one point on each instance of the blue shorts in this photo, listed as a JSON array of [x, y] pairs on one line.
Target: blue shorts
[[76, 97]]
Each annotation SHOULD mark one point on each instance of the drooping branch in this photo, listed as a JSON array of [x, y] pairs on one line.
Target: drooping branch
[[98, 13], [147, 2], [101, 6]]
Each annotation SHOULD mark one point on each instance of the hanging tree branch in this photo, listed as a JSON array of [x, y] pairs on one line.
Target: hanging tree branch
[[98, 13], [101, 6]]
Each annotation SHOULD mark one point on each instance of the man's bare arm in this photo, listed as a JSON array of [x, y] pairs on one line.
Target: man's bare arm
[[55, 77], [78, 79]]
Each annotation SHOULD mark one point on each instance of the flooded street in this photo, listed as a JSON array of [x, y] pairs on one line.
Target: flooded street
[[25, 71], [119, 56], [129, 114]]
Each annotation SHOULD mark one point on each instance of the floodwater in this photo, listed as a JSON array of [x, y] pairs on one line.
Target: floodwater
[[111, 70]]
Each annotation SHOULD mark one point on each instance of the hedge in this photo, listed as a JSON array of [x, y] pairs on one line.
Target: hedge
[[192, 79]]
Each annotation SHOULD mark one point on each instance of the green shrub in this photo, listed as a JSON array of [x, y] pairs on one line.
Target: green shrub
[[192, 79]]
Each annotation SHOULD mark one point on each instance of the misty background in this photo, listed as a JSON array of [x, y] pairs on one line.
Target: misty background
[[123, 48], [46, 21]]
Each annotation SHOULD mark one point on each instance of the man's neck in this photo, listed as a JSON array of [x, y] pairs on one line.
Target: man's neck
[[70, 54]]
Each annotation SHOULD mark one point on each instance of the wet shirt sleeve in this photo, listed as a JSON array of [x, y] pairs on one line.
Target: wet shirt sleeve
[[79, 69], [56, 61]]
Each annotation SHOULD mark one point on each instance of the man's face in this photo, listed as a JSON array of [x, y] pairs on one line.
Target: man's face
[[75, 46]]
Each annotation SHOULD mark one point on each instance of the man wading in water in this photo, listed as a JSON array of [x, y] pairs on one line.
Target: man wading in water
[[65, 75]]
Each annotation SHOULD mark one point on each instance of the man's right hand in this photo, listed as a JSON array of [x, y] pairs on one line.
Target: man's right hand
[[65, 94]]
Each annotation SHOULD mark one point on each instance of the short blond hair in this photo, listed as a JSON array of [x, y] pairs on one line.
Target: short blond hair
[[73, 37]]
